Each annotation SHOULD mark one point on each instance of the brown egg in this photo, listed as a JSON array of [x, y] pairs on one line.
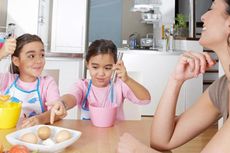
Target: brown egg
[[44, 132], [29, 137], [62, 135]]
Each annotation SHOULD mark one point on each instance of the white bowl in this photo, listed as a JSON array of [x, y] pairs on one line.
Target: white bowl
[[41, 146]]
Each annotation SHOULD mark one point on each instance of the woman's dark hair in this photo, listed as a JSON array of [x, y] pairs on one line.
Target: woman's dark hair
[[102, 46], [228, 7], [228, 12], [22, 41]]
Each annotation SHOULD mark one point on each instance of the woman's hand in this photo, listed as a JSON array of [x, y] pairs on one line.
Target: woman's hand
[[120, 70], [129, 144], [191, 64], [58, 109], [8, 47]]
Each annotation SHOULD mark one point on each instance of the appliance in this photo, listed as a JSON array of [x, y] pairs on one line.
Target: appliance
[[147, 42], [193, 9]]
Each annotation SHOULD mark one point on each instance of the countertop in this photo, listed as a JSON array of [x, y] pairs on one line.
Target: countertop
[[97, 140], [64, 55], [156, 52]]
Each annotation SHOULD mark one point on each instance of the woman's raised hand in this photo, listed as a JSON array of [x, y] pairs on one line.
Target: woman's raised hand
[[191, 64]]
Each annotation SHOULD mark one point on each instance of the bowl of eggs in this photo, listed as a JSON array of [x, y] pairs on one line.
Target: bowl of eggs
[[9, 112], [44, 138]]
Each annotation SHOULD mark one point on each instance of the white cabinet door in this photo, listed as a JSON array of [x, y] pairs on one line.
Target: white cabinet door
[[30, 16], [24, 13], [66, 72], [69, 20]]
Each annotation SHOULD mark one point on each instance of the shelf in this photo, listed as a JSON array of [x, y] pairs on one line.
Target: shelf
[[145, 7], [150, 21]]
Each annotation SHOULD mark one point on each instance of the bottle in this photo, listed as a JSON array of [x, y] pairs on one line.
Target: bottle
[[11, 30], [163, 31], [132, 41]]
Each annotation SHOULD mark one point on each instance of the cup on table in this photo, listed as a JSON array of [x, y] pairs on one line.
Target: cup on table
[[102, 116], [9, 114]]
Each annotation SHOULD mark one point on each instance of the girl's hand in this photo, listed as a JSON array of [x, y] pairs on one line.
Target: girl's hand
[[31, 121], [8, 47], [191, 64], [120, 70], [58, 109]]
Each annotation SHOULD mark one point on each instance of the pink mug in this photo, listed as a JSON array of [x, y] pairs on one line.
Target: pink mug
[[102, 116]]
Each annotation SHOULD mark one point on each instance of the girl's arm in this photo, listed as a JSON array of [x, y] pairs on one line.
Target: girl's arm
[[58, 111], [59, 108], [167, 131], [140, 91], [42, 118]]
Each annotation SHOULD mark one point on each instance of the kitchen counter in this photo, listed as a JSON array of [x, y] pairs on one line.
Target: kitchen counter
[[143, 51], [179, 45], [64, 55]]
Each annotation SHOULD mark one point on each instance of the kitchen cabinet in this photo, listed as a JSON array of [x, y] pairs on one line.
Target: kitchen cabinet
[[34, 19], [26, 20], [61, 25], [69, 26], [66, 72]]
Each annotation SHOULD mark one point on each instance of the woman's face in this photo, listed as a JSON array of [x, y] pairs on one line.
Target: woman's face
[[216, 26], [31, 61], [100, 69]]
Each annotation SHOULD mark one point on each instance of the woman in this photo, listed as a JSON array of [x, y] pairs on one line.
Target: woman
[[169, 132]]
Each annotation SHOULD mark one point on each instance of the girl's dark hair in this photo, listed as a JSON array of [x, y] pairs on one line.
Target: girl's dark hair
[[21, 41], [102, 46]]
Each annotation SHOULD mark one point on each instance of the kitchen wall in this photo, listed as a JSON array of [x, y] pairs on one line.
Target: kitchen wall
[[131, 22], [105, 20], [114, 20]]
